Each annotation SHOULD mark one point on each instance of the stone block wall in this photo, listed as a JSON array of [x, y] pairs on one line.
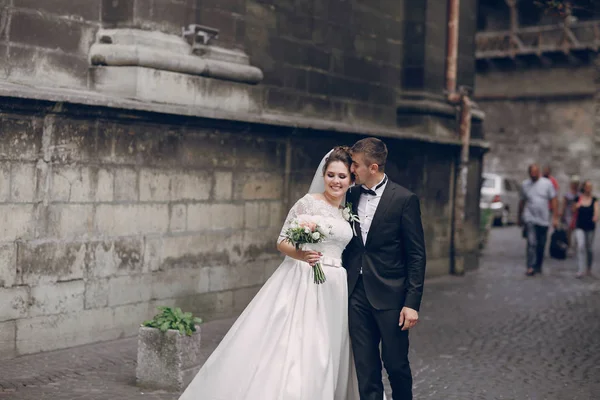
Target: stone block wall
[[328, 55], [47, 41], [339, 60], [104, 219], [542, 115], [559, 133], [107, 214], [349, 59]]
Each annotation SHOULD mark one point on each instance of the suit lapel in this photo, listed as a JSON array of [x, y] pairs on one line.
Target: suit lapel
[[355, 198], [384, 203]]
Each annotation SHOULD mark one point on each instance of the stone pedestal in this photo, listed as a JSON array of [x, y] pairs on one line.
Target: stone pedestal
[[155, 67], [167, 361], [130, 47]]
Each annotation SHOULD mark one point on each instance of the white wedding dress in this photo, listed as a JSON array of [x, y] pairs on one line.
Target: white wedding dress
[[292, 341]]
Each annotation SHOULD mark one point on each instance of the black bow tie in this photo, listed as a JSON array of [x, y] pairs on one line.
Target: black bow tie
[[364, 190]]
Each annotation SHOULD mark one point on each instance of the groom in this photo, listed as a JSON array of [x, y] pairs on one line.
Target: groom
[[385, 262]]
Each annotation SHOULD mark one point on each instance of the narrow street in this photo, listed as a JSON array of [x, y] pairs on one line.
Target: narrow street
[[494, 334], [497, 334]]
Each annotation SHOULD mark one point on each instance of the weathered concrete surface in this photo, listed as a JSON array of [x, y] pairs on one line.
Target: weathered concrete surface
[[544, 115], [154, 86], [163, 52], [167, 361], [311, 119], [103, 219], [542, 107], [331, 60], [109, 214]]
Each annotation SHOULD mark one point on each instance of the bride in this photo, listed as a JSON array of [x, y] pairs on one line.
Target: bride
[[292, 341]]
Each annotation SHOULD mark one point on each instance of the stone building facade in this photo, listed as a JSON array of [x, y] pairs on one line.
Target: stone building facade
[[537, 83], [146, 162]]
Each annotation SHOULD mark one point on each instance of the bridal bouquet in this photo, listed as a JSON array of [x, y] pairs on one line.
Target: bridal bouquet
[[302, 234]]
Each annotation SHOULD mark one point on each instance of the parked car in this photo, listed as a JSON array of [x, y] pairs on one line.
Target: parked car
[[501, 195]]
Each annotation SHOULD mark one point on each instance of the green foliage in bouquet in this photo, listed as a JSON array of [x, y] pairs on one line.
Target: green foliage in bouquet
[[303, 233], [174, 318], [299, 237]]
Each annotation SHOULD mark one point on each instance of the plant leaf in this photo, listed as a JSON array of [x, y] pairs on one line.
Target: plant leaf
[[174, 318], [165, 326]]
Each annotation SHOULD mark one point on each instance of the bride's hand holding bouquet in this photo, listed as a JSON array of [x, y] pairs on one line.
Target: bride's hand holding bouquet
[[301, 234]]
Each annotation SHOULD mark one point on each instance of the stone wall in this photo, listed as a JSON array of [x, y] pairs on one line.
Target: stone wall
[[47, 42], [107, 214], [104, 218], [340, 60], [544, 115], [124, 187], [540, 107]]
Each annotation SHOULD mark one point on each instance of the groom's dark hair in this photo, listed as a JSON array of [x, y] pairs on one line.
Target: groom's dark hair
[[374, 151]]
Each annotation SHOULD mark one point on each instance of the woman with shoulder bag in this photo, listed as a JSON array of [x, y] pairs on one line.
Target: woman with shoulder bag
[[587, 211], [567, 215]]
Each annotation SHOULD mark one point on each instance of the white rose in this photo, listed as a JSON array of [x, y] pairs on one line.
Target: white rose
[[316, 235], [346, 214], [306, 230]]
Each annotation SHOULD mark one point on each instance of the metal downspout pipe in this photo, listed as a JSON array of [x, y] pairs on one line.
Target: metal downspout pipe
[[462, 100]]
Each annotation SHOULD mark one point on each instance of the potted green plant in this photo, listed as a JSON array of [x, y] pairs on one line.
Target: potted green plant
[[168, 350], [485, 225]]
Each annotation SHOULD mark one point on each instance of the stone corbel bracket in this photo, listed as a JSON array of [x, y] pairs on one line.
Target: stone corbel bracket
[[156, 50]]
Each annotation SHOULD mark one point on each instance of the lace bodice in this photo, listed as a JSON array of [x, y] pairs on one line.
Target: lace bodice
[[315, 210]]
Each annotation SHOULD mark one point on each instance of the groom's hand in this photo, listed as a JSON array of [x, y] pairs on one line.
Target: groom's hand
[[408, 318]]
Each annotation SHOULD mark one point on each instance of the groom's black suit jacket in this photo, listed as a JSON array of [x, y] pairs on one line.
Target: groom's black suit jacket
[[393, 258]]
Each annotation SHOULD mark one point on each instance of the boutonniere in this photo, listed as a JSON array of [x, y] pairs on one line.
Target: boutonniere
[[350, 216]]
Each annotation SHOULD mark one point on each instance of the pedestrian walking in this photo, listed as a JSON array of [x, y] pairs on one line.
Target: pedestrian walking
[[566, 214], [586, 209], [534, 215], [547, 173]]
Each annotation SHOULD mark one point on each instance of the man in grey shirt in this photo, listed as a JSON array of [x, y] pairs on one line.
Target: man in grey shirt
[[536, 192]]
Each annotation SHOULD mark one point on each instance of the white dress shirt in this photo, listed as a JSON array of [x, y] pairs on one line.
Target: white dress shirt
[[367, 206]]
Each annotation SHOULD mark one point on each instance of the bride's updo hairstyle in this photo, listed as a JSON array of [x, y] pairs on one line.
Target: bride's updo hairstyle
[[342, 154]]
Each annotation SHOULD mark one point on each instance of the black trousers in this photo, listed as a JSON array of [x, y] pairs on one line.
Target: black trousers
[[369, 327]]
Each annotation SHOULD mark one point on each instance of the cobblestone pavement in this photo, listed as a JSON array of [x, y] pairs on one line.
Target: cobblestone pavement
[[493, 334]]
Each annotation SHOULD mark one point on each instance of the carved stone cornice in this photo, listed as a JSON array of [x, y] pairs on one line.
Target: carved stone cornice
[[160, 51]]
